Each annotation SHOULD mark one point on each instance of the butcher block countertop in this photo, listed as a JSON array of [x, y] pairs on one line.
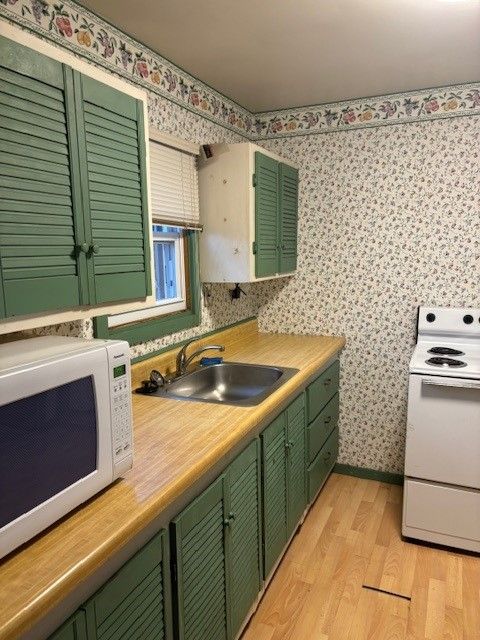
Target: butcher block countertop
[[175, 444]]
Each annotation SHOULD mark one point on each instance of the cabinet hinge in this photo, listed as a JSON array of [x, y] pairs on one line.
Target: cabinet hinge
[[254, 179], [254, 247]]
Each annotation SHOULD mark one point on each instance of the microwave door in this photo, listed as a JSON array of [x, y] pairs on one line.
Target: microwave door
[[54, 449]]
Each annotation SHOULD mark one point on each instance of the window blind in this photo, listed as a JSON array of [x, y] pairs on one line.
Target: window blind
[[174, 187]]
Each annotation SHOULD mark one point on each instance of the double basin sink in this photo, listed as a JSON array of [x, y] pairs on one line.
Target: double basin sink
[[231, 383]]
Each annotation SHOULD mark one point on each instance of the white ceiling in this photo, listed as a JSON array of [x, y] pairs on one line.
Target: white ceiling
[[273, 54]]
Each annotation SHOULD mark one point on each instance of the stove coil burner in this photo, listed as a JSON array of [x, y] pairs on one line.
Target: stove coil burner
[[446, 362], [446, 351]]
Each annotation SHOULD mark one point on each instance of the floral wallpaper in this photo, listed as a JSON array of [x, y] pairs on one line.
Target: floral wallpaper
[[389, 217], [77, 29], [389, 220]]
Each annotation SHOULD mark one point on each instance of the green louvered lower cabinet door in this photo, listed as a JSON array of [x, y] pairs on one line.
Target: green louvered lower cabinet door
[[111, 134], [266, 215], [244, 534], [41, 236], [200, 557], [73, 629], [135, 603], [288, 218], [274, 480], [296, 463]]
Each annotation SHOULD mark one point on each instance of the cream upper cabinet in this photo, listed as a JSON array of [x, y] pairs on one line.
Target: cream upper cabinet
[[249, 211]]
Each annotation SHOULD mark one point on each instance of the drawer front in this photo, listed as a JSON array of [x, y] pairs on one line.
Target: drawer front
[[442, 513], [322, 389], [320, 468], [319, 430]]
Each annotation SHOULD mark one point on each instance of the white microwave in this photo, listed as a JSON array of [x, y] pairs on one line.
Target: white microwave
[[65, 428]]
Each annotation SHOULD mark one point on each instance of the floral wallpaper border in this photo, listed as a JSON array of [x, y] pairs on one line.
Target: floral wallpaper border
[[399, 108], [74, 27]]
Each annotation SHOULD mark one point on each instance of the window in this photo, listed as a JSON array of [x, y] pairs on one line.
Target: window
[[175, 224]]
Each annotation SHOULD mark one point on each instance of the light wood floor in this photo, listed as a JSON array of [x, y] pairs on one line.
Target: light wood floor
[[350, 538]]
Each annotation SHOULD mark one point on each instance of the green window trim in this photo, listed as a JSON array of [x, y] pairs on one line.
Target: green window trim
[[154, 328]]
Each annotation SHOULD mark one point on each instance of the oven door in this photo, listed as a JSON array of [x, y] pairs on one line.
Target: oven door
[[55, 442], [443, 430]]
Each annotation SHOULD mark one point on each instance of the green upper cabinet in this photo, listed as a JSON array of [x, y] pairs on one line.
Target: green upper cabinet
[[288, 218], [41, 231], [249, 205], [276, 216], [267, 184], [217, 551], [73, 203], [111, 139]]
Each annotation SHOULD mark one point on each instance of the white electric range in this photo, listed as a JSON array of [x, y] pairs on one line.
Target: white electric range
[[442, 458]]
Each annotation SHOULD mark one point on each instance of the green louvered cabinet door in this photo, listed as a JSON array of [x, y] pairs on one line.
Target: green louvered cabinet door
[[42, 264], [111, 137], [73, 629], [200, 557], [288, 222], [267, 182], [274, 481], [135, 603], [244, 533], [296, 463]]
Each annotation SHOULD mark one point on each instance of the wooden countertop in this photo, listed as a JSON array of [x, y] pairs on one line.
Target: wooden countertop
[[175, 444]]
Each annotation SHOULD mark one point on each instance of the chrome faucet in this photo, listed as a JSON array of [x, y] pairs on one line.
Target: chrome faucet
[[183, 361]]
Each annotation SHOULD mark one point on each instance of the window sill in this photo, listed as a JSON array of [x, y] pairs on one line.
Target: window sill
[[147, 330]]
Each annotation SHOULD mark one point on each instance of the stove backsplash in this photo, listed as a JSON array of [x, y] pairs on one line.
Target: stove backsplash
[[389, 220]]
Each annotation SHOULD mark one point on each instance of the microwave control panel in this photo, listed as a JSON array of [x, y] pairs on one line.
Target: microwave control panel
[[121, 406]]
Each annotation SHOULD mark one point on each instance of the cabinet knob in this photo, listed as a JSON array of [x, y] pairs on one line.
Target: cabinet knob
[[328, 419], [94, 248], [229, 519], [327, 456], [82, 248], [328, 382]]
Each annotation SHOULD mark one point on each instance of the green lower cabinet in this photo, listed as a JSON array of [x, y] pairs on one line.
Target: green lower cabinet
[[322, 426], [296, 469], [217, 553], [274, 481], [322, 389], [323, 464], [135, 603], [284, 483], [244, 533], [73, 629]]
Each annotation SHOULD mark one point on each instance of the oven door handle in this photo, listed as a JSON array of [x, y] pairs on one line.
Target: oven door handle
[[462, 384]]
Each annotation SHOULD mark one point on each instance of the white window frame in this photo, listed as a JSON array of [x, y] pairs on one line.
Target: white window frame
[[165, 307], [159, 309]]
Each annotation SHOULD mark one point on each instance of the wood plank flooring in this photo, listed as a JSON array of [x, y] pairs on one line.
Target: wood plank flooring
[[351, 538]]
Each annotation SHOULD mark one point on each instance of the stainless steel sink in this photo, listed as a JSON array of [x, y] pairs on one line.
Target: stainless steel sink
[[231, 383]]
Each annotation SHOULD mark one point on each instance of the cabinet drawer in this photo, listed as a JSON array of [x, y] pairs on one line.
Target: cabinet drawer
[[322, 389], [322, 465], [134, 602], [319, 430]]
